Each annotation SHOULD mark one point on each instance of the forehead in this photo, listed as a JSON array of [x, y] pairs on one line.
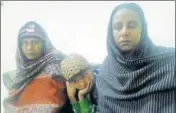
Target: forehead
[[125, 15], [31, 39]]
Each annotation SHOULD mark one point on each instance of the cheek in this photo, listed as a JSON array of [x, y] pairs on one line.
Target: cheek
[[87, 78], [81, 85], [116, 36], [135, 36], [23, 49], [38, 49]]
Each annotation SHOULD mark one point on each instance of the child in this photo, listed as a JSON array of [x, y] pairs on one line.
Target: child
[[80, 83]]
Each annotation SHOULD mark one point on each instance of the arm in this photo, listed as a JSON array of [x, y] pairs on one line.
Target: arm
[[82, 106], [76, 107], [85, 103], [85, 106], [71, 91]]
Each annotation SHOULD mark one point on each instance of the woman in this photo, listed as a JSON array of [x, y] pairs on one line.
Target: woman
[[36, 86], [136, 76]]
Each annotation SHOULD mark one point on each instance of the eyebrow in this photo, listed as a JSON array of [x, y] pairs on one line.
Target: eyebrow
[[129, 22], [133, 21]]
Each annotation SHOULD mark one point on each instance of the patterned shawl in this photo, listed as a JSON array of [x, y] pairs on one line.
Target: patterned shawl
[[144, 82], [28, 70]]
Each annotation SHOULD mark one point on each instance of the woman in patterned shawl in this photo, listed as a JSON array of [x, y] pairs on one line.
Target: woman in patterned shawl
[[36, 86], [136, 76]]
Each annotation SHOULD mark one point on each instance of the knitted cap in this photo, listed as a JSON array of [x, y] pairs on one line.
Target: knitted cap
[[73, 65]]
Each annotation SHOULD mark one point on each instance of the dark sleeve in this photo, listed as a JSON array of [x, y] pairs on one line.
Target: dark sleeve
[[94, 95], [67, 108], [102, 102]]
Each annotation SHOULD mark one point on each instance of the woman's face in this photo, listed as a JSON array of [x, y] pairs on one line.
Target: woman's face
[[127, 29], [32, 48]]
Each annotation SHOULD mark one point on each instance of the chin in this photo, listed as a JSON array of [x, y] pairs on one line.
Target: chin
[[126, 49], [31, 57], [80, 88], [83, 87]]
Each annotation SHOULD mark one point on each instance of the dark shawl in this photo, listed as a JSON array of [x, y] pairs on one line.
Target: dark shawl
[[144, 82], [28, 70]]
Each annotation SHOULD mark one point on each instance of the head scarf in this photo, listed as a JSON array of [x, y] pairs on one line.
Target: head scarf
[[122, 78], [28, 70]]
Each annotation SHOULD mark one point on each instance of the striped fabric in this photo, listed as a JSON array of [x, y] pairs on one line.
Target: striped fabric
[[144, 82], [151, 89]]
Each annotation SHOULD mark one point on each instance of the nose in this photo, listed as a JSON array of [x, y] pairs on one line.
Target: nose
[[29, 47], [125, 32]]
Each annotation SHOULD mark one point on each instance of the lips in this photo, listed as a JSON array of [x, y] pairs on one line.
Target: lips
[[125, 42], [30, 54]]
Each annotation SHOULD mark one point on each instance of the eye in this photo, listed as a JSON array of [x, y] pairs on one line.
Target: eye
[[132, 24], [24, 43], [118, 26], [35, 42]]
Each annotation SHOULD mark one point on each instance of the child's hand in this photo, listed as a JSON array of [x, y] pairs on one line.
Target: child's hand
[[71, 91], [83, 92]]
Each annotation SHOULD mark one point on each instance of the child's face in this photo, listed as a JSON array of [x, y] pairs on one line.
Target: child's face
[[81, 82]]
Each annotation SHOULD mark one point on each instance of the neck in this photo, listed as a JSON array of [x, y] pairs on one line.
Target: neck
[[127, 53]]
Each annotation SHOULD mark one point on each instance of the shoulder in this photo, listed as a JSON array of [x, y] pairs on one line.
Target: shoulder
[[164, 50], [96, 68], [54, 71], [52, 68], [166, 54]]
